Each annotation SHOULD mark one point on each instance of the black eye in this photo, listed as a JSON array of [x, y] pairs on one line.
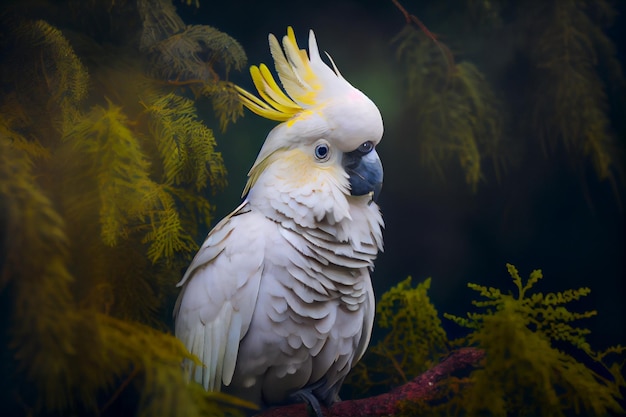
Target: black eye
[[366, 147], [322, 151]]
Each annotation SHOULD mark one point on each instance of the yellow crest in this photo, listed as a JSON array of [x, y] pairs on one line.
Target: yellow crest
[[302, 79]]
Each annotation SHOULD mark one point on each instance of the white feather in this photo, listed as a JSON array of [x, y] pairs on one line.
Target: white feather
[[214, 309]]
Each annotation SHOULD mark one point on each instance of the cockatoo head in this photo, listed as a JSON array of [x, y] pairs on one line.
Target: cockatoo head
[[329, 129]]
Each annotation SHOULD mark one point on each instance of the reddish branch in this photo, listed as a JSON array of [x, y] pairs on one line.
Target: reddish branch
[[411, 18], [422, 388]]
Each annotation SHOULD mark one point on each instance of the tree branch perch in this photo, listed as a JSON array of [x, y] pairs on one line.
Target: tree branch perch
[[424, 387]]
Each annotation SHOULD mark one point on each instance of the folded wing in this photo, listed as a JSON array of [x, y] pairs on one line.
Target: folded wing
[[220, 288]]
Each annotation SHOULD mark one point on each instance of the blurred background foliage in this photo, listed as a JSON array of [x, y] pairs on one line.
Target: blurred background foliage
[[106, 174], [504, 135]]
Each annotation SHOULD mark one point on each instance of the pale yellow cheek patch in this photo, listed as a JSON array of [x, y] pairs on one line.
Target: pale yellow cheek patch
[[297, 169], [302, 170]]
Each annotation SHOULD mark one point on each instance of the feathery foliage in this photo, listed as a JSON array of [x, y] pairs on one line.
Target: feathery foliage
[[185, 144], [537, 360], [414, 339], [57, 80], [64, 74], [558, 73], [75, 355], [35, 230], [454, 109], [570, 103], [119, 167], [184, 55], [524, 372], [104, 168], [192, 56]]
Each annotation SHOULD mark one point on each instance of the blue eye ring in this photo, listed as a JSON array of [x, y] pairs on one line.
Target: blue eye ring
[[366, 147], [322, 151]]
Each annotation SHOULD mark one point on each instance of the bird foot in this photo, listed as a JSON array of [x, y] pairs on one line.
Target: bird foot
[[306, 395]]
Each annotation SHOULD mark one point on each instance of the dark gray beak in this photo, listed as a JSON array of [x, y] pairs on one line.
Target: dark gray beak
[[365, 171]]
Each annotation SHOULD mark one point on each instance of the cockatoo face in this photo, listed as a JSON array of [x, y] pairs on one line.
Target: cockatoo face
[[330, 129]]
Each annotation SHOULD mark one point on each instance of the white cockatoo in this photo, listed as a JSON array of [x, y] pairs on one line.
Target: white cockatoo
[[278, 302]]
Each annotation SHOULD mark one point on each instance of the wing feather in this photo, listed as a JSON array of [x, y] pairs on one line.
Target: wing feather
[[220, 290]]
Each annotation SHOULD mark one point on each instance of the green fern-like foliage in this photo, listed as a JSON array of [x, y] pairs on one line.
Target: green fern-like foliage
[[37, 231], [528, 338], [192, 56], [559, 80], [454, 108], [185, 144], [104, 171], [60, 74], [524, 373], [570, 106], [414, 339], [73, 354]]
